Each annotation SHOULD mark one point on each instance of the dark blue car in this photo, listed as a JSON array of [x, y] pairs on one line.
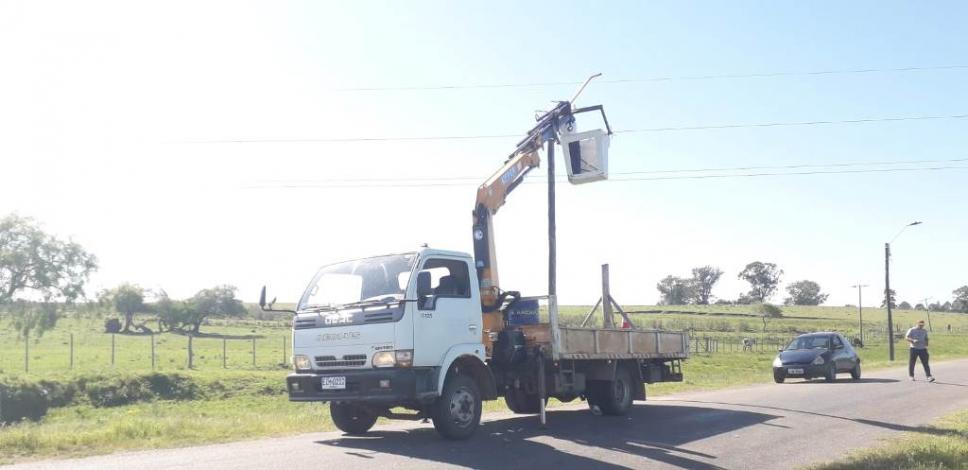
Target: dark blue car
[[816, 355]]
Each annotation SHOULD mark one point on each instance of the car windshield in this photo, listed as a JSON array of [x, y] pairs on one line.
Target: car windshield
[[379, 279], [810, 342]]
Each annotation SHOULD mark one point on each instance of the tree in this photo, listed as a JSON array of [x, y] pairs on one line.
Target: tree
[[127, 299], [217, 301], [33, 317], [675, 291], [33, 261], [768, 311], [919, 306], [960, 303], [904, 305], [805, 293], [703, 280], [764, 278], [893, 296], [172, 314]]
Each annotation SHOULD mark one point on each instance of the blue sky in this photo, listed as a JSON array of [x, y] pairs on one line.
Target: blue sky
[[106, 104]]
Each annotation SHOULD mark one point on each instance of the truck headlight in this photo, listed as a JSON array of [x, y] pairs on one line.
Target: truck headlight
[[384, 359], [777, 362], [301, 362], [818, 361]]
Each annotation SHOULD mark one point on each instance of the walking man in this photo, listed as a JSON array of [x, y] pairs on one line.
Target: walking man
[[918, 337]]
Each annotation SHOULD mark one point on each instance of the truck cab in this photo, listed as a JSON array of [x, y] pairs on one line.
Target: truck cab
[[399, 330]]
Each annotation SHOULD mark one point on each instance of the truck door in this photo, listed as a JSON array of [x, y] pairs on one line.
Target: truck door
[[445, 317]]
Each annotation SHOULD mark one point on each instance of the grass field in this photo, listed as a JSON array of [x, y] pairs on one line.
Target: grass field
[[255, 405], [943, 445]]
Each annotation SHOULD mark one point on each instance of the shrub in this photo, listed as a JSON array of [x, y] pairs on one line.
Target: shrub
[[22, 400]]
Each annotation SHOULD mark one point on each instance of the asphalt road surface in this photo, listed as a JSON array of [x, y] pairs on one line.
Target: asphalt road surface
[[762, 426]]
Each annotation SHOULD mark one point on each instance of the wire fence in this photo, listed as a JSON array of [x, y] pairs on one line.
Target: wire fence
[[63, 352]]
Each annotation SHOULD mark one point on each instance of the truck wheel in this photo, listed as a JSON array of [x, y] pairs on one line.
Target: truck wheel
[[614, 397], [351, 419], [457, 412], [521, 402]]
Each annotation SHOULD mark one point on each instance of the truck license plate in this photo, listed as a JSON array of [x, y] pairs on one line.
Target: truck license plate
[[795, 371], [334, 383]]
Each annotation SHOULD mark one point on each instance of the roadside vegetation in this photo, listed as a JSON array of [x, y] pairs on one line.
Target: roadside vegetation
[[943, 445]]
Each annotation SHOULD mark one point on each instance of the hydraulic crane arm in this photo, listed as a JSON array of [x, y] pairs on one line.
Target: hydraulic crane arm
[[490, 197]]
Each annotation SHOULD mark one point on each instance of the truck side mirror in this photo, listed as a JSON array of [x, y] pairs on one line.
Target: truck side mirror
[[423, 284]]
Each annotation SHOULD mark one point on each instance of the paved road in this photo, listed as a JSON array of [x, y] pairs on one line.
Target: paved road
[[763, 426]]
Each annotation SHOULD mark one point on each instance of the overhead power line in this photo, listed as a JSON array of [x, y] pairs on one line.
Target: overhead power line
[[656, 79], [477, 179], [405, 184], [620, 131]]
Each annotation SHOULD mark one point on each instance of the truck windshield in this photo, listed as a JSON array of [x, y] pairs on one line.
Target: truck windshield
[[382, 278]]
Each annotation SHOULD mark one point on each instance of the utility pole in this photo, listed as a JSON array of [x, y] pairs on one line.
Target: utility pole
[[887, 300], [860, 308], [927, 310]]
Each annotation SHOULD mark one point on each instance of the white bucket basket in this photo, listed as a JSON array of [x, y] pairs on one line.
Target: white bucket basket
[[586, 155]]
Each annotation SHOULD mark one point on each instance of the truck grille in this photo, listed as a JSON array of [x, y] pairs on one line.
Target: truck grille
[[349, 360], [304, 323]]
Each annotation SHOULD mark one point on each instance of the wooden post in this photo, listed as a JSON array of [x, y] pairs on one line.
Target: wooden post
[[253, 352], [606, 299], [152, 351], [284, 361], [72, 351], [190, 353], [112, 349], [27, 353], [224, 360]]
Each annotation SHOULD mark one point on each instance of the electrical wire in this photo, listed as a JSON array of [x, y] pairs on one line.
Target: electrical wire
[[316, 185], [655, 79], [622, 131]]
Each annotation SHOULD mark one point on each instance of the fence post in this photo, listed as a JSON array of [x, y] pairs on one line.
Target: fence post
[[284, 345], [152, 351], [253, 352], [72, 351], [27, 353], [190, 353], [112, 349], [224, 360]]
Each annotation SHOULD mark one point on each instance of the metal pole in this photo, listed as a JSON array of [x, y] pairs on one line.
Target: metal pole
[[553, 255], [608, 321], [887, 300], [541, 390]]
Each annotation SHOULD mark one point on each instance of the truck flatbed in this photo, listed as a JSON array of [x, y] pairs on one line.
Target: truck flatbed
[[578, 343]]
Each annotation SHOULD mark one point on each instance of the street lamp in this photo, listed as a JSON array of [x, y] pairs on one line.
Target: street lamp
[[887, 288]]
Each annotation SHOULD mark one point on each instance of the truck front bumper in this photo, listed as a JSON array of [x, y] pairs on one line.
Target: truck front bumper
[[388, 386]]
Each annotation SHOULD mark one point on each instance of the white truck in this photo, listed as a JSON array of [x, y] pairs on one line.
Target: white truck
[[430, 330]]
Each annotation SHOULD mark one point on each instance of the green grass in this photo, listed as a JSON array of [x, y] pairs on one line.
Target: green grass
[[943, 445]]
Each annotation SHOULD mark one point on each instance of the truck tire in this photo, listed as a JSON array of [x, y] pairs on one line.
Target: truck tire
[[351, 419], [521, 402], [614, 397], [457, 412]]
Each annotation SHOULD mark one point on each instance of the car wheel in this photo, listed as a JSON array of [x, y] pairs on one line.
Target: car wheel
[[831, 373], [855, 372], [457, 412], [779, 377], [351, 419]]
